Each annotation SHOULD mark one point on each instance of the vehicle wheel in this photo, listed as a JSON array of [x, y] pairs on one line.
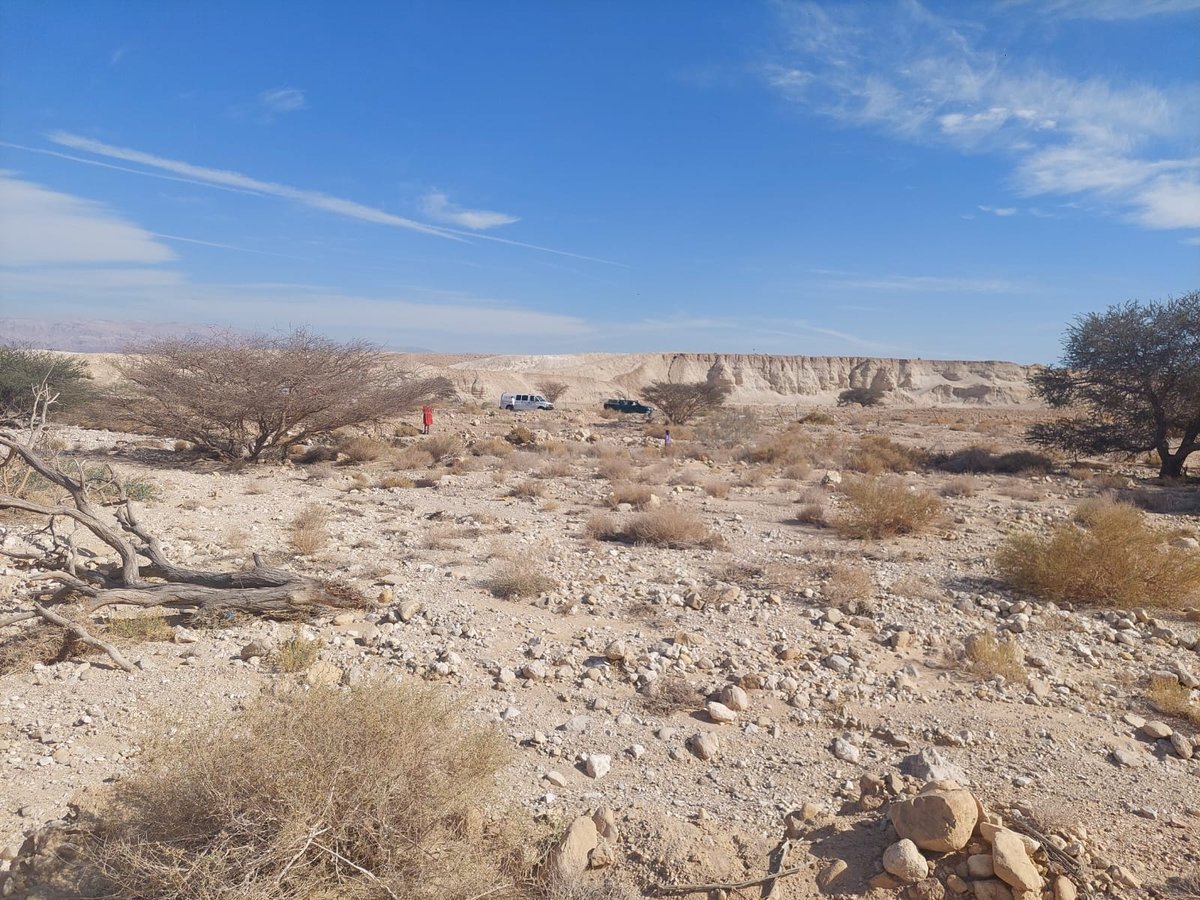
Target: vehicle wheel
[[510, 407]]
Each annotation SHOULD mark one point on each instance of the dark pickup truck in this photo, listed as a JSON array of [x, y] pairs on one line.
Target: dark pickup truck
[[628, 406]]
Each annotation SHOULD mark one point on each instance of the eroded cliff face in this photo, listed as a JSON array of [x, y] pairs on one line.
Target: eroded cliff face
[[756, 378]]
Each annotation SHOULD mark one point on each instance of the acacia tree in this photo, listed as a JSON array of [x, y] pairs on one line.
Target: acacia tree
[[681, 402], [239, 396], [1134, 371], [552, 390], [29, 377], [861, 396]]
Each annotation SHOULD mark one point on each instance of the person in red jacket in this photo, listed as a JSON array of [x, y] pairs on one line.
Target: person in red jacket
[[427, 418]]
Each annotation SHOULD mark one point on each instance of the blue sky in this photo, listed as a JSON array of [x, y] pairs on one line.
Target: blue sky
[[881, 179]]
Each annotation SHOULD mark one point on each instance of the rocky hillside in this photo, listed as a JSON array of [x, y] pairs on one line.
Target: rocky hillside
[[757, 378]]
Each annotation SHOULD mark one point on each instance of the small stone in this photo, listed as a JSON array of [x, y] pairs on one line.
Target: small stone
[[1157, 730], [408, 610], [735, 698], [1182, 746], [720, 713], [558, 779], [829, 875], [597, 765], [846, 751], [905, 861], [323, 674], [979, 865], [1064, 888], [992, 889], [1012, 862], [956, 884], [569, 857], [253, 649], [705, 745]]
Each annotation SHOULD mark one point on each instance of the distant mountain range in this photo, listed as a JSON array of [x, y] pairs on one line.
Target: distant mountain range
[[100, 335]]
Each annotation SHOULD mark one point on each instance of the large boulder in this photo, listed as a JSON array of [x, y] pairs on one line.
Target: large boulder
[[941, 818]]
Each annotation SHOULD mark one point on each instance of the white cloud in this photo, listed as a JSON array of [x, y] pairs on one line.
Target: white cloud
[[39, 226], [907, 72], [235, 181], [438, 207], [282, 100], [1000, 210]]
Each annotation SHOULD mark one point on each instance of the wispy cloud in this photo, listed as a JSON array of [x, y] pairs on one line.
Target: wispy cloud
[[438, 207], [1000, 210], [1109, 10], [282, 100], [117, 55], [922, 283], [919, 77], [40, 226], [236, 181]]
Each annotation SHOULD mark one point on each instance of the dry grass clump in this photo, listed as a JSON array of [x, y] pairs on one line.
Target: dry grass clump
[[140, 628], [817, 417], [520, 578], [1171, 698], [369, 793], [310, 530], [387, 482], [987, 656], [528, 490], [958, 486], [364, 449], [788, 448], [669, 694], [296, 654], [556, 468], [716, 487], [615, 467], [884, 507], [1107, 555], [875, 454], [20, 651], [414, 456], [520, 436], [669, 527], [848, 588], [636, 495]]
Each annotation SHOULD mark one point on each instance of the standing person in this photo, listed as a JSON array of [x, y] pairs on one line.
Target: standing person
[[427, 418], [666, 438]]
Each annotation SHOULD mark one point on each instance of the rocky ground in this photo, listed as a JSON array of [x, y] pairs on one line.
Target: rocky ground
[[707, 702]]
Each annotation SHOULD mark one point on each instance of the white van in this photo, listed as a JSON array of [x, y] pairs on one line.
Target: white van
[[524, 401]]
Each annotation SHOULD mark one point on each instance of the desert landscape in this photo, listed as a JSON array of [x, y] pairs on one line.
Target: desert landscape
[[794, 641]]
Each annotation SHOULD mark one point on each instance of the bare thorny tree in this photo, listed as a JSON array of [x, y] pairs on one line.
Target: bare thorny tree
[[141, 575]]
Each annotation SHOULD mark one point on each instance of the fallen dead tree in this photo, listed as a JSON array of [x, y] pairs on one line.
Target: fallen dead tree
[[141, 575]]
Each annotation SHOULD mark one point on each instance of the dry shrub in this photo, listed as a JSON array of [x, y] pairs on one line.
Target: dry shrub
[[296, 654], [388, 482], [615, 467], [1173, 699], [987, 656], [788, 448], [439, 446], [430, 479], [584, 887], [258, 486], [362, 449], [520, 578], [811, 514], [310, 530], [848, 588], [18, 652], [959, 486], [716, 487], [796, 471], [140, 628], [636, 495], [980, 460], [491, 446], [406, 430], [367, 793], [916, 587], [601, 526], [1107, 555], [558, 468], [520, 436], [817, 418], [444, 537], [318, 453], [669, 527], [669, 694], [528, 490], [884, 507], [414, 456], [1019, 490], [875, 454], [659, 474]]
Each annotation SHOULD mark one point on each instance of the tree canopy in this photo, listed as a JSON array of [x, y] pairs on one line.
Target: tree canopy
[[238, 396], [1133, 374], [29, 376], [684, 401]]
